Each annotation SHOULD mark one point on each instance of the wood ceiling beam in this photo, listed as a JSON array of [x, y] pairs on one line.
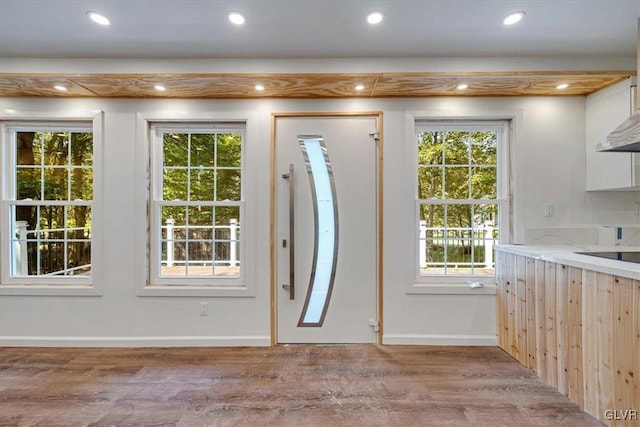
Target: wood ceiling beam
[[309, 85]]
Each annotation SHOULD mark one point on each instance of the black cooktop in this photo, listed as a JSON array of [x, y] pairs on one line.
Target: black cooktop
[[620, 256]]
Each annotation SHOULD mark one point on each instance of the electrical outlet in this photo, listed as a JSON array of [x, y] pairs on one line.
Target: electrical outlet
[[204, 308], [548, 210]]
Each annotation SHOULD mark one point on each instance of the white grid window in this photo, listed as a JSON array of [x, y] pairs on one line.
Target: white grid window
[[460, 198], [197, 204], [47, 203]]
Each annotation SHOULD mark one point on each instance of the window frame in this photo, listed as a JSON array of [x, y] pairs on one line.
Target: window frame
[[49, 285], [242, 286], [157, 202], [502, 127]]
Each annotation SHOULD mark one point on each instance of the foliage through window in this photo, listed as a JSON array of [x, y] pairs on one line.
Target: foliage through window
[[197, 202], [48, 182], [458, 199]]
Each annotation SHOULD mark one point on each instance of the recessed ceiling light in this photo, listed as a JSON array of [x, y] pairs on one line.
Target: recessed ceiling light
[[98, 18], [60, 88], [259, 88], [513, 18], [236, 18], [374, 17], [562, 86], [462, 86], [359, 87], [160, 88]]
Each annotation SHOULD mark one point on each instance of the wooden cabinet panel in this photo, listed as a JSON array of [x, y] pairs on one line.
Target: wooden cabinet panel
[[577, 329], [551, 332], [512, 327], [541, 324], [530, 278], [521, 308], [515, 315], [562, 326], [501, 304], [573, 342], [636, 335], [590, 348], [516, 305], [604, 340], [610, 365], [625, 373]]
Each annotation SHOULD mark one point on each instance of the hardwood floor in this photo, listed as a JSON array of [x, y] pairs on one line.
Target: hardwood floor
[[297, 385]]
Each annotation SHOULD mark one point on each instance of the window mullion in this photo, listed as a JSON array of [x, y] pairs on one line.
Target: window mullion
[[215, 198], [443, 163], [469, 166], [65, 245], [68, 166], [445, 235], [473, 238], [42, 165], [215, 168], [157, 170], [187, 256], [38, 241]]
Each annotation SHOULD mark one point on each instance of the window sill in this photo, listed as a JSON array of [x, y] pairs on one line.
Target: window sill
[[451, 289], [49, 290], [195, 291]]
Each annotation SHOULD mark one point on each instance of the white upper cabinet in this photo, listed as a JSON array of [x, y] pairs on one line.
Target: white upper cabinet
[[606, 109]]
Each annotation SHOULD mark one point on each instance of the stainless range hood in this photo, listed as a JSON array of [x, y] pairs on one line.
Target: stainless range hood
[[624, 138]]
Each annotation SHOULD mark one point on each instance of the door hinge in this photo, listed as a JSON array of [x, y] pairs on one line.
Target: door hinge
[[374, 324]]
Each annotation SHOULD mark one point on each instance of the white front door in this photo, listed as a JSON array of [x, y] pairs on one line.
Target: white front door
[[326, 229]]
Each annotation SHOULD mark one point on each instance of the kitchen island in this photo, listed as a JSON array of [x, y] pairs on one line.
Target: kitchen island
[[574, 320]]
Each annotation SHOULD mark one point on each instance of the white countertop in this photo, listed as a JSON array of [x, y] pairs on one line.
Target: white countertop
[[564, 254]]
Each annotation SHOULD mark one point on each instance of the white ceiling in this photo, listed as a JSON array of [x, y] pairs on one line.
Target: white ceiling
[[317, 28]]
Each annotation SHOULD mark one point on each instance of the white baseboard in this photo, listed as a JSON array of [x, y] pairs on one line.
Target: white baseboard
[[181, 341], [416, 339], [224, 341]]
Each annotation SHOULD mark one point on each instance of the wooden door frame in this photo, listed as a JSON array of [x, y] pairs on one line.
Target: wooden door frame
[[272, 247]]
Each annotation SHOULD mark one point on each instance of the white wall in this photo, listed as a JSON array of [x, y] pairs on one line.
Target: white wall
[[549, 158], [553, 167], [312, 65]]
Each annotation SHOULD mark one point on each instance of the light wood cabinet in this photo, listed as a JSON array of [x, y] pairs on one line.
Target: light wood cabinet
[[578, 330], [605, 110]]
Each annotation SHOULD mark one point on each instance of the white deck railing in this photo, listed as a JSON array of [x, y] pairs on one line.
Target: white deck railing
[[21, 258], [232, 243], [20, 251], [479, 236]]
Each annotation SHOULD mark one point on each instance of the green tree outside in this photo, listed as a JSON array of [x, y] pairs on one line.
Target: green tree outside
[[57, 166]]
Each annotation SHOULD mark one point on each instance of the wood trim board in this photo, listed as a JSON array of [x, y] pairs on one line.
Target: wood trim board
[[308, 85]]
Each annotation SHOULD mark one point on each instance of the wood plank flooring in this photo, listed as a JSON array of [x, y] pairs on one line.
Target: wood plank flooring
[[297, 385]]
